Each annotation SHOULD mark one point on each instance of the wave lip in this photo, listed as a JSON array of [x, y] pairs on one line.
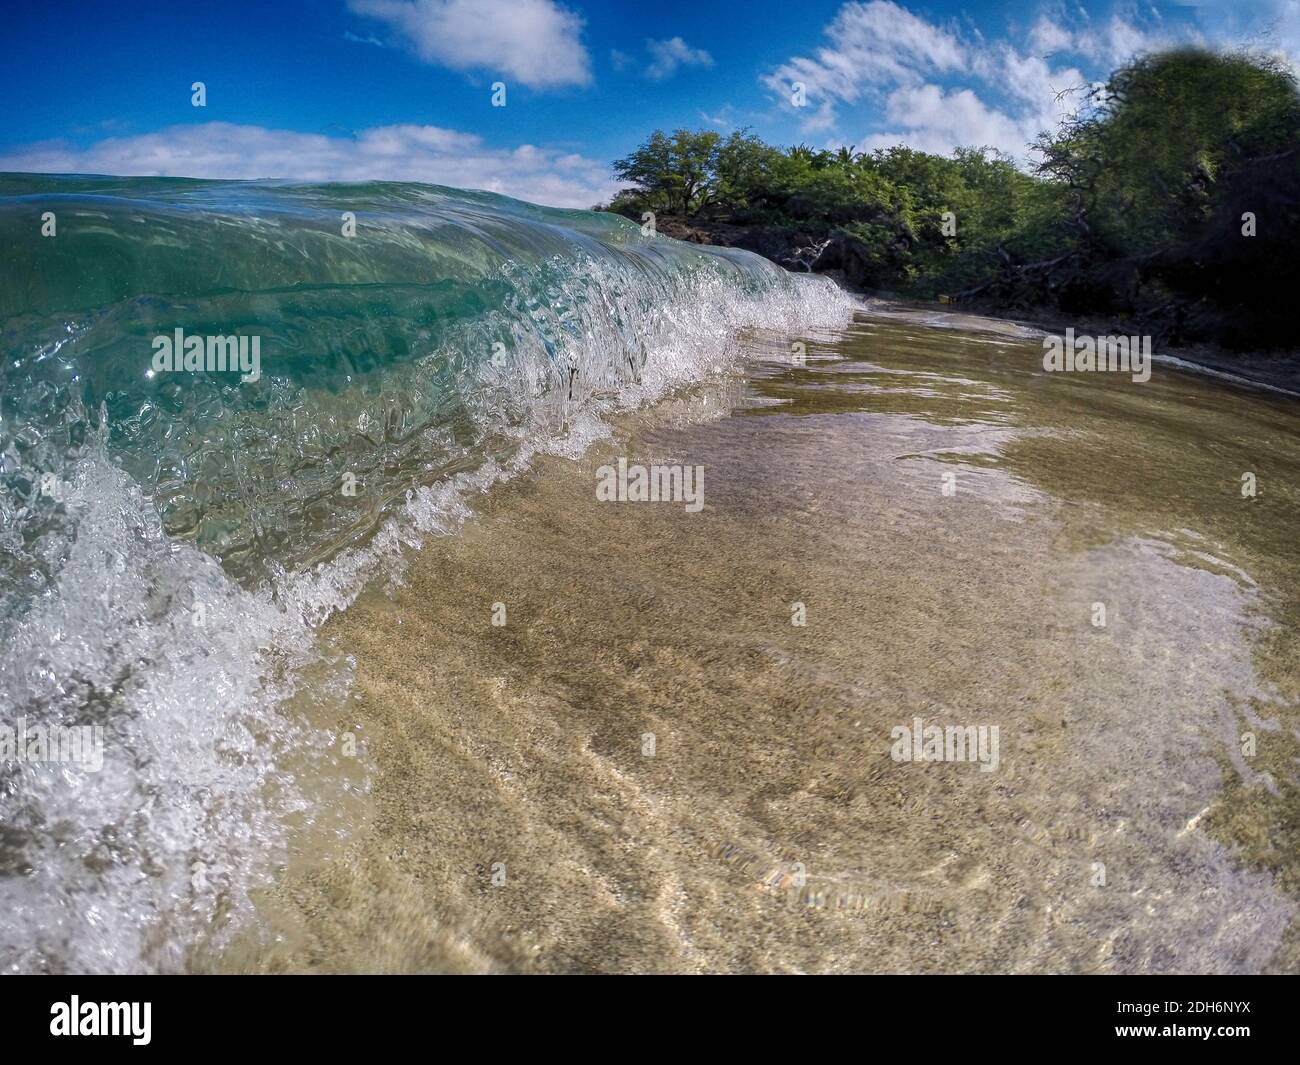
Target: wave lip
[[170, 538], [410, 349]]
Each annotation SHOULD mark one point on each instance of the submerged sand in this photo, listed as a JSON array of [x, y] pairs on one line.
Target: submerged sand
[[650, 768]]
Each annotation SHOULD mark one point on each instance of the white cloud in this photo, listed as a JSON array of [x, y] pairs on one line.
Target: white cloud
[[667, 56], [936, 121], [1268, 26], [1122, 41], [385, 153], [1118, 41], [1287, 42], [870, 44], [536, 42], [724, 119], [1049, 36], [368, 39], [1284, 29], [941, 87]]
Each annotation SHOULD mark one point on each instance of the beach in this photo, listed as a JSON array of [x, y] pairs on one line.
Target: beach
[[677, 749]]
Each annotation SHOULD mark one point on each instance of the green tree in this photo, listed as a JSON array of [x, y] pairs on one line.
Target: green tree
[[1159, 174], [677, 171], [1143, 205]]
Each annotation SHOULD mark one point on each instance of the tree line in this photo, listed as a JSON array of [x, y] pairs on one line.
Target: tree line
[[1171, 198]]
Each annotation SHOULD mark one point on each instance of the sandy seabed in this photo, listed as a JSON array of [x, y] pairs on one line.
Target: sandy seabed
[[651, 768]]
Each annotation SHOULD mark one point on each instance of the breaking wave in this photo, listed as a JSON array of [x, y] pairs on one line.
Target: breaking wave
[[170, 537]]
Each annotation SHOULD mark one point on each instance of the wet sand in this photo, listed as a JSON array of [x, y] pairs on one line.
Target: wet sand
[[519, 819]]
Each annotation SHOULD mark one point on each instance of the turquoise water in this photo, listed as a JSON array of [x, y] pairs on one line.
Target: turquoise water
[[169, 537], [405, 351]]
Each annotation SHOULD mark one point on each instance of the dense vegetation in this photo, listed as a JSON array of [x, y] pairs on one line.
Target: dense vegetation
[[1134, 209]]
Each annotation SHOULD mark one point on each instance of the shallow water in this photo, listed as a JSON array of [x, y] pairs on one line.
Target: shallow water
[[1142, 816]]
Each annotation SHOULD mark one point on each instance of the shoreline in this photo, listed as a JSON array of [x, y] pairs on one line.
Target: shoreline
[[1249, 371], [1202, 361], [1278, 371]]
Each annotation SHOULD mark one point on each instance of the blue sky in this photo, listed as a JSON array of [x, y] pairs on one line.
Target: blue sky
[[402, 89]]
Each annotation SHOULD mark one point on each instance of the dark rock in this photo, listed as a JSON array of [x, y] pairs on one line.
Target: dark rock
[[802, 250]]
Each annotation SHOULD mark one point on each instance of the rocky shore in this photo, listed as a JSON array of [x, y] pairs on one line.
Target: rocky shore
[[800, 250]]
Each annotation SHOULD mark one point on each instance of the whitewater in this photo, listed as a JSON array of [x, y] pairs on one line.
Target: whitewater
[[170, 541]]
